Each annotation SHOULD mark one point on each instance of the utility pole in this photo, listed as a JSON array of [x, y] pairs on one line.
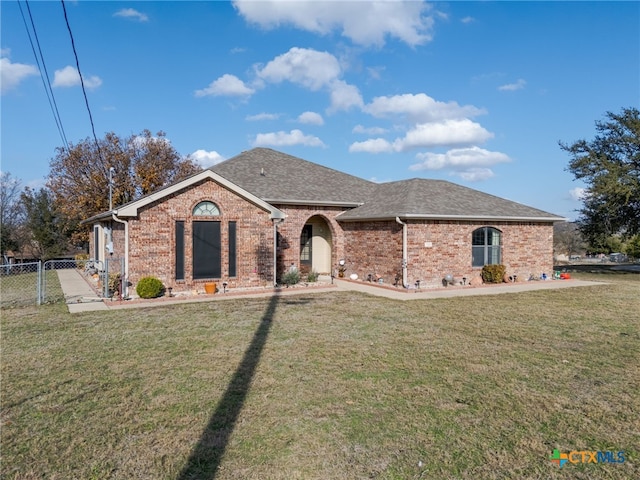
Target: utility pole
[[111, 172]]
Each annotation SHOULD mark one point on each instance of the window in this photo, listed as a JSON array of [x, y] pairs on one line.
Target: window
[[486, 247], [204, 209], [179, 264], [232, 249]]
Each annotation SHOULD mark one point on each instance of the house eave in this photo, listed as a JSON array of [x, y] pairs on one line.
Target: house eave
[[313, 203], [474, 218]]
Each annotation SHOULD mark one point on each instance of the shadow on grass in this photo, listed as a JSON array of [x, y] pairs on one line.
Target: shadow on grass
[[206, 456]]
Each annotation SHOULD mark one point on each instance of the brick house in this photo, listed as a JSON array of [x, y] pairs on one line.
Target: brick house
[[246, 220]]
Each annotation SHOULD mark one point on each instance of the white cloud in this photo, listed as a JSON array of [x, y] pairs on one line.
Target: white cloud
[[262, 116], [11, 74], [446, 133], [510, 87], [470, 164], [206, 159], [69, 77], [459, 159], [344, 97], [475, 174], [419, 108], [426, 135], [467, 20], [373, 145], [226, 85], [309, 68], [578, 193], [311, 118], [294, 137], [365, 23], [132, 14], [369, 130]]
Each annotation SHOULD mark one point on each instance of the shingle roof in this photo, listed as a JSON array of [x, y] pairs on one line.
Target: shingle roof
[[423, 198], [269, 177], [280, 178]]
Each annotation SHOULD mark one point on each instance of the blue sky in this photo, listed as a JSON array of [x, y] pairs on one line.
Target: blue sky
[[478, 93]]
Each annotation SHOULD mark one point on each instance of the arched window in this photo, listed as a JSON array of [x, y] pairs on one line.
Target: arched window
[[206, 209], [486, 247]]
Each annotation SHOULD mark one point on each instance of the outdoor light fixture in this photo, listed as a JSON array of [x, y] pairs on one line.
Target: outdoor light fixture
[[341, 263], [224, 287]]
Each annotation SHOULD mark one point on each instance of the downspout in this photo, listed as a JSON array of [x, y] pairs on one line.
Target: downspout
[[125, 280], [404, 252], [276, 222]]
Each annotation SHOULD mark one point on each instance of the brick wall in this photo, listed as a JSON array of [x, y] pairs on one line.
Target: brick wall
[[436, 248], [152, 239]]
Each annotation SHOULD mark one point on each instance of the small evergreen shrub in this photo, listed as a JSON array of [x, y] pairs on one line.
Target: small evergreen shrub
[[291, 277], [493, 273], [149, 287], [312, 276]]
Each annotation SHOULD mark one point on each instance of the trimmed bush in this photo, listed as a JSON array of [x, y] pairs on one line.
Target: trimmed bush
[[493, 273], [291, 277], [312, 276], [149, 287]]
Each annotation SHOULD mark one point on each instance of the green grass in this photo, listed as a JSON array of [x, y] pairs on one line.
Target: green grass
[[326, 385]]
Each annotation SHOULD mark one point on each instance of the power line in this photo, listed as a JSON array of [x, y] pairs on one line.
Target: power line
[[84, 91], [46, 83]]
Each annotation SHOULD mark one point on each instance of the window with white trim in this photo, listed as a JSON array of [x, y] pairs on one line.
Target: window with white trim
[[486, 247]]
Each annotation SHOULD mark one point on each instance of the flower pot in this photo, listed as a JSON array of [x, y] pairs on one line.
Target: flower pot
[[210, 287]]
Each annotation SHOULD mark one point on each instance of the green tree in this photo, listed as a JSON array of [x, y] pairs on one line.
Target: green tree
[[79, 177], [45, 224], [632, 249], [610, 167], [10, 212]]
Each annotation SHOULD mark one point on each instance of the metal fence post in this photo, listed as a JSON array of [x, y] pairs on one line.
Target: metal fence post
[[39, 287]]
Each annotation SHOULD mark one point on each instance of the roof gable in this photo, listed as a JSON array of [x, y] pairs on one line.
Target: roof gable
[[131, 209]]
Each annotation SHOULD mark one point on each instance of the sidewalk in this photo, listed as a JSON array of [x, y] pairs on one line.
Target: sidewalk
[[80, 297], [78, 294]]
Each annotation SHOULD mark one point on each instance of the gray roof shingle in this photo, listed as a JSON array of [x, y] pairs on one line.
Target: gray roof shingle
[[280, 178], [423, 198]]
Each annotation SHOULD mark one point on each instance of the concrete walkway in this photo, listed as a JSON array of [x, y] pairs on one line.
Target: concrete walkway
[[459, 291], [80, 296]]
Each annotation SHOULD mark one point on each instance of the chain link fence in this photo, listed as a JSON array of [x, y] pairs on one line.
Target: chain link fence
[[36, 283], [20, 284]]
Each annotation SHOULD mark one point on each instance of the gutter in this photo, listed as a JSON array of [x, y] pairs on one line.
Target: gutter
[[404, 252], [125, 280]]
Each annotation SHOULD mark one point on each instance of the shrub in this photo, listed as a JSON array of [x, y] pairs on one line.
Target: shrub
[[114, 283], [81, 260], [493, 273], [312, 276], [149, 287], [291, 277]]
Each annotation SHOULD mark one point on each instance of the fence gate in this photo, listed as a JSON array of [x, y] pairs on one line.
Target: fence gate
[[20, 284], [50, 291]]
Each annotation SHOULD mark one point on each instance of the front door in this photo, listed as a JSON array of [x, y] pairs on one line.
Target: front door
[[206, 250]]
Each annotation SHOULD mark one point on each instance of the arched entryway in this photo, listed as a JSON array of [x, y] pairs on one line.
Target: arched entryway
[[316, 243]]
